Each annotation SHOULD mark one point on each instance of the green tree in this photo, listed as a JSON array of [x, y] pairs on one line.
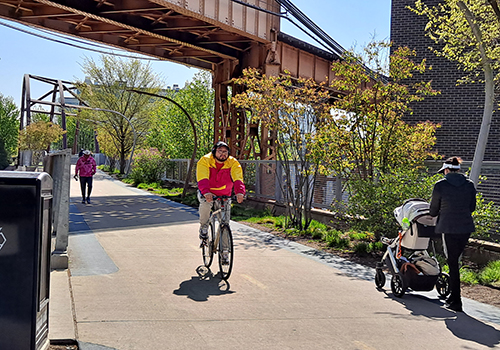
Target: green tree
[[467, 31], [4, 157], [9, 124], [290, 108], [111, 80], [169, 129], [109, 147], [364, 135], [38, 136]]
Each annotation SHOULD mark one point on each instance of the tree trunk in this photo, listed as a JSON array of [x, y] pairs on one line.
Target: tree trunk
[[489, 97], [482, 139]]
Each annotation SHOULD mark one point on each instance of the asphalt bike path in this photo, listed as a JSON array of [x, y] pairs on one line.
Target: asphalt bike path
[[135, 282]]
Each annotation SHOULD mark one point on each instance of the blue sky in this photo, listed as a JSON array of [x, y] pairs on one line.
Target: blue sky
[[350, 23]]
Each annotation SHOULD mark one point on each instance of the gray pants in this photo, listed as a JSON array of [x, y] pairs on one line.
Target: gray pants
[[205, 207]]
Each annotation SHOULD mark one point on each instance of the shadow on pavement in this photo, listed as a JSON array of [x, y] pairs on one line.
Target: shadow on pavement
[[201, 287], [460, 324], [243, 242], [119, 212]]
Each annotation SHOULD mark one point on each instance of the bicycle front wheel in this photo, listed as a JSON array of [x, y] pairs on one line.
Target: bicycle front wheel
[[207, 248], [226, 252]]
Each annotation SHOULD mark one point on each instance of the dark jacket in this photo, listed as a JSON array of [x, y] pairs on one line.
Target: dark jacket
[[453, 201]]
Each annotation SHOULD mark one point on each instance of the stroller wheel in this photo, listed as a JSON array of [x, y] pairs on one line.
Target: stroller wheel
[[398, 286], [443, 285], [380, 279]]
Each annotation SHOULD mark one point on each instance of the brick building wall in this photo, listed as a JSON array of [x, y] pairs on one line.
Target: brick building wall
[[459, 109]]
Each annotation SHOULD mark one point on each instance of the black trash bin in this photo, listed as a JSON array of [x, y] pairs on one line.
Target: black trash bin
[[25, 233]]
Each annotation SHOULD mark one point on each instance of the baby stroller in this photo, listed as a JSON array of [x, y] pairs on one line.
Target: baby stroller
[[416, 269]]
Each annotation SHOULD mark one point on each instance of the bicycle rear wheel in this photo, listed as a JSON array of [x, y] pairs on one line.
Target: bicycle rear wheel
[[226, 252], [207, 249]]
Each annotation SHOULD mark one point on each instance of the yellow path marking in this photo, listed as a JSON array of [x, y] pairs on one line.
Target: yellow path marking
[[254, 281]]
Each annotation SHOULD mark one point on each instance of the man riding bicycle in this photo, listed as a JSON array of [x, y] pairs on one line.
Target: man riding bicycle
[[217, 173]]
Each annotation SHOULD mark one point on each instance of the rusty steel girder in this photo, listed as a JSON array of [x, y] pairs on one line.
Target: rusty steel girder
[[221, 36]]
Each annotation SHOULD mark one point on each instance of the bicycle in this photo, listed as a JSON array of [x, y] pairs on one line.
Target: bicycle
[[219, 240]]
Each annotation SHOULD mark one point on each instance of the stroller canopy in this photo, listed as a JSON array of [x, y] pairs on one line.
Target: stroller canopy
[[416, 210]]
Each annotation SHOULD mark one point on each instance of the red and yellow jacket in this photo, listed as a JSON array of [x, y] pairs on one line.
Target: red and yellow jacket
[[219, 179]]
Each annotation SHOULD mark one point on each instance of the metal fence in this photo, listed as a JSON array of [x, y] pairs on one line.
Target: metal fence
[[489, 184], [262, 179]]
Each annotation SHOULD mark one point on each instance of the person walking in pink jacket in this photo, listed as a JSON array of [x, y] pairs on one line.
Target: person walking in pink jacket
[[86, 166]]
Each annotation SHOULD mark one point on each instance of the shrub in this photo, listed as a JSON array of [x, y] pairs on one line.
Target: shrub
[[377, 246], [316, 229], [468, 276], [373, 203], [486, 217], [148, 166], [490, 274], [336, 239], [362, 248], [316, 234], [361, 236]]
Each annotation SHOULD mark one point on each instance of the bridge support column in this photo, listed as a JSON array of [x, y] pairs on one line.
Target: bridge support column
[[230, 123]]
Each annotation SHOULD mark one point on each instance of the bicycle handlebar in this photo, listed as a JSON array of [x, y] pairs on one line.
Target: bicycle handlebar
[[225, 197], [221, 197]]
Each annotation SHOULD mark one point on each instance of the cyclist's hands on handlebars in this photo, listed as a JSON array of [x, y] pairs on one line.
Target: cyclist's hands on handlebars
[[209, 197], [240, 197]]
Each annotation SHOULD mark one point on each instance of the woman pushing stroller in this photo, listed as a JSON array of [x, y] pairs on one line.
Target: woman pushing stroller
[[453, 202]]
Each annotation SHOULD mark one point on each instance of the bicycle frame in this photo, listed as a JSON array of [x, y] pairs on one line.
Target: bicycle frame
[[217, 214], [220, 238]]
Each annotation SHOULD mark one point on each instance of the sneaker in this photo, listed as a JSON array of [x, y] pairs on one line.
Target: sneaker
[[83, 201], [203, 233], [450, 300], [225, 258], [454, 306], [88, 200]]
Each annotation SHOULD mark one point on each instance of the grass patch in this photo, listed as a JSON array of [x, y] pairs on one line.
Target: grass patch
[[490, 275], [336, 239], [359, 242], [107, 169], [277, 222], [487, 276], [149, 187], [242, 213], [468, 276]]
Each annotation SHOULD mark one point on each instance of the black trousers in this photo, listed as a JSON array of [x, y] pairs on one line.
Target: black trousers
[[454, 245], [86, 182]]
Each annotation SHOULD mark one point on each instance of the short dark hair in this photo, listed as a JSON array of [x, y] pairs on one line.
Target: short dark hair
[[453, 161], [219, 144]]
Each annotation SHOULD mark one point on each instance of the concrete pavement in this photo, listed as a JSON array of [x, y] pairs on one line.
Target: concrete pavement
[[133, 284]]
